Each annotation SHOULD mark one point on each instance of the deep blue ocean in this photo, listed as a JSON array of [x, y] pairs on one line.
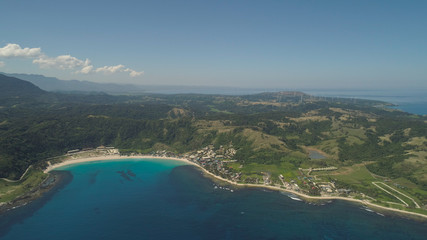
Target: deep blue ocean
[[162, 199]]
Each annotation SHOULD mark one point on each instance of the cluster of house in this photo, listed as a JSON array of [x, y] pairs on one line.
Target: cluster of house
[[164, 153], [289, 185], [211, 159], [329, 189], [214, 160], [325, 188]]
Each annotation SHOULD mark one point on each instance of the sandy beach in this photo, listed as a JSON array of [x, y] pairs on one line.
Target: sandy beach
[[186, 161], [112, 157]]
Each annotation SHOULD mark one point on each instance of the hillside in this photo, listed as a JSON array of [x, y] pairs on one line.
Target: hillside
[[53, 84], [12, 87], [271, 137]]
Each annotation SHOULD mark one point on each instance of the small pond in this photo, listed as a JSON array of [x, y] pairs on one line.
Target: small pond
[[313, 154]]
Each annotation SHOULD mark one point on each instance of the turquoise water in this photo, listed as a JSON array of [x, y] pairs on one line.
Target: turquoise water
[[162, 199]]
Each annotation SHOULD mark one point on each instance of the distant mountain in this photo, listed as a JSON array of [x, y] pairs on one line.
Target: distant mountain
[[53, 84], [11, 87]]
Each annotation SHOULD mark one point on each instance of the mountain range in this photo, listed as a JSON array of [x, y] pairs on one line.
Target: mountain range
[[12, 87], [53, 84]]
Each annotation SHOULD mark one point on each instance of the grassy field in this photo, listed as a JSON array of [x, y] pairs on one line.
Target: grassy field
[[400, 193], [256, 170], [213, 109], [262, 140], [355, 174], [411, 189], [330, 147], [360, 179], [11, 190]]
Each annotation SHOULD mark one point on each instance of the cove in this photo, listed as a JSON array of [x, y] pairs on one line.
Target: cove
[[165, 199]]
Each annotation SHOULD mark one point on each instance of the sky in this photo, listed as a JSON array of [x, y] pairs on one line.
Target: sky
[[270, 44]]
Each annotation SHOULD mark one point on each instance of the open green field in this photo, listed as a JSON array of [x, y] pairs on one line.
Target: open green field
[[411, 189], [330, 147], [356, 174], [288, 170], [12, 190], [400, 193], [213, 109], [360, 179]]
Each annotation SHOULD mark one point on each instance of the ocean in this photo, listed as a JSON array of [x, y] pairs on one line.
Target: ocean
[[408, 100], [164, 199]]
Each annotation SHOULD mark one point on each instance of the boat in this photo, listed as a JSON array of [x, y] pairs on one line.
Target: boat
[[295, 198], [367, 209]]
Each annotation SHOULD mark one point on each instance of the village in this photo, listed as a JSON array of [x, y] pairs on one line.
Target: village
[[216, 161]]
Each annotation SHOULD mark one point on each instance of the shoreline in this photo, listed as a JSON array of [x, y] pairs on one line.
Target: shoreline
[[110, 158], [49, 185], [118, 157]]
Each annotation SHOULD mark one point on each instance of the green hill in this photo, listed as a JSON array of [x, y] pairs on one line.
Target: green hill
[[269, 133], [15, 88]]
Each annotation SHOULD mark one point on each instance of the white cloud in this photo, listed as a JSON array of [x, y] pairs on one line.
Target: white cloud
[[63, 62], [14, 50], [133, 73], [110, 69], [86, 70], [118, 68], [2, 64]]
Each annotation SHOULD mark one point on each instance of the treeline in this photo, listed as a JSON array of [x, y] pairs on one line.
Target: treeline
[[28, 136]]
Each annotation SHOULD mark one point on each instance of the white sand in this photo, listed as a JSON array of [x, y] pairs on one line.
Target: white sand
[[111, 157]]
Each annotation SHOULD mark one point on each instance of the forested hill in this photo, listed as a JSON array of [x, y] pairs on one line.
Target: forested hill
[[56, 85], [11, 87]]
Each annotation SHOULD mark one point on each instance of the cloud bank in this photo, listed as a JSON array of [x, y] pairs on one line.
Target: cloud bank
[[12, 50], [62, 62], [118, 68]]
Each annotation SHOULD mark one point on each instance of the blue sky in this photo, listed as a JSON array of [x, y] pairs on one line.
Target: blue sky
[[274, 44]]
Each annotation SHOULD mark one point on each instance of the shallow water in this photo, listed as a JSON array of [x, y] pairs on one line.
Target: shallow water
[[162, 199], [313, 154]]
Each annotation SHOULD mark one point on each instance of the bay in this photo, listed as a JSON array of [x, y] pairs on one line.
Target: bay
[[163, 199]]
